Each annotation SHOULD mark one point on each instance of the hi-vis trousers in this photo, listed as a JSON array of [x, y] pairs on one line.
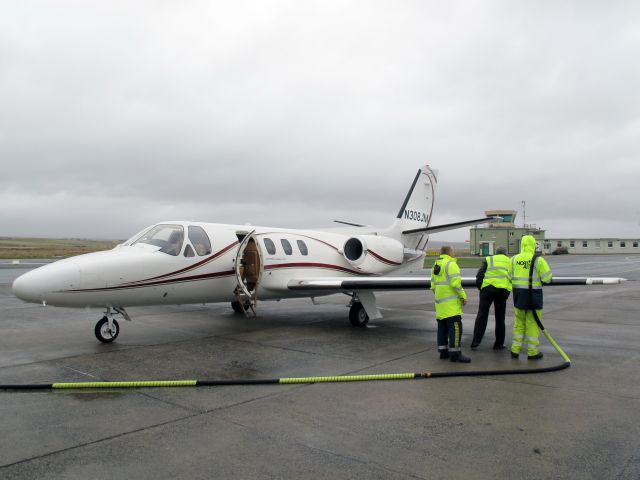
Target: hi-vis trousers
[[525, 331]]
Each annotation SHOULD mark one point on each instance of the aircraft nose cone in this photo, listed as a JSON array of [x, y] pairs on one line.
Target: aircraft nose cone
[[23, 289], [38, 285]]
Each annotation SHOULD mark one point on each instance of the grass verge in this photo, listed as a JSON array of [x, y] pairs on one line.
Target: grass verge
[[463, 262], [25, 248]]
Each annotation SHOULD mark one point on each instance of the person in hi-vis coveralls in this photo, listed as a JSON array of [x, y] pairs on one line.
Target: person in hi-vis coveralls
[[446, 284], [530, 271]]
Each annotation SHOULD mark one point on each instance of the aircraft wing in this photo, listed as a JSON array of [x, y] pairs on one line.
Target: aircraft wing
[[379, 284]]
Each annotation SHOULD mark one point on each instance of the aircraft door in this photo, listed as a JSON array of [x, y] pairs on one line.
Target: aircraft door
[[248, 266]]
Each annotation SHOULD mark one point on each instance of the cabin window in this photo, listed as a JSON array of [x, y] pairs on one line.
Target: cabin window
[[623, 244], [188, 251], [585, 244], [270, 246], [559, 244], [168, 237], [572, 243], [302, 247], [200, 240], [610, 244], [286, 246], [635, 244]]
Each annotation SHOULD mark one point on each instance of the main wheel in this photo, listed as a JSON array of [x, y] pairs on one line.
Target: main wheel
[[104, 333], [238, 309], [358, 316]]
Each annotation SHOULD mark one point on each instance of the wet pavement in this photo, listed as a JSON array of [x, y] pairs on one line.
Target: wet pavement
[[583, 422]]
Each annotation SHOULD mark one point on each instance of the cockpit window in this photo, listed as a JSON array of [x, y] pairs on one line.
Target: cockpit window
[[200, 240], [188, 251], [168, 237]]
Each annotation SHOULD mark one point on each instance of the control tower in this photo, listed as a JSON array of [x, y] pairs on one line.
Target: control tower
[[484, 240]]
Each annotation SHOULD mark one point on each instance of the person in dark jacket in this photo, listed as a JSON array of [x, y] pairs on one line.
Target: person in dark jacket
[[494, 281]]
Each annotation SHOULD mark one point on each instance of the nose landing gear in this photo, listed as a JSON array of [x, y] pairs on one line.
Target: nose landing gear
[[107, 328], [104, 332]]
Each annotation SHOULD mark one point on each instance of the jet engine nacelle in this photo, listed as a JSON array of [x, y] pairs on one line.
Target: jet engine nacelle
[[373, 254]]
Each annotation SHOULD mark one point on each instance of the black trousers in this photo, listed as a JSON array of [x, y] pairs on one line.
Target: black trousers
[[450, 333], [498, 297]]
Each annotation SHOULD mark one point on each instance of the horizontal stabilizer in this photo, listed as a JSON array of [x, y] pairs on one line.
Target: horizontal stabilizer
[[451, 226], [349, 223]]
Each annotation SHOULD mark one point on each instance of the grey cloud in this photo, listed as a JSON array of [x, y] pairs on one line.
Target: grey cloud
[[142, 110]]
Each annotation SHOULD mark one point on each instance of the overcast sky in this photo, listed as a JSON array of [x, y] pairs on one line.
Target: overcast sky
[[116, 115]]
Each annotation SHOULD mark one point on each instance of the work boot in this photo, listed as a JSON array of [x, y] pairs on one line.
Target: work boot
[[537, 356], [498, 347], [444, 354], [514, 355], [459, 357]]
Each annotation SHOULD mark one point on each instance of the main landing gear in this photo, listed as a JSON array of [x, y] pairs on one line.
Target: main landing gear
[[362, 308], [357, 315], [107, 328], [240, 308]]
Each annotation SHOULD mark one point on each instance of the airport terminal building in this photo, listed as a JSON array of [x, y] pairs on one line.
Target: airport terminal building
[[593, 246], [484, 240]]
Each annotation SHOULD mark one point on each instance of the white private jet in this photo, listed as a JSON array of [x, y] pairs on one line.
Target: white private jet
[[191, 262]]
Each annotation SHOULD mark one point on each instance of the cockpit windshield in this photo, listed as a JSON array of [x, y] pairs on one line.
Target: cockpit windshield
[[168, 237]]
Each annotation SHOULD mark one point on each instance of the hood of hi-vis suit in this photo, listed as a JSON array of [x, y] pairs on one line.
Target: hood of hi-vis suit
[[528, 244]]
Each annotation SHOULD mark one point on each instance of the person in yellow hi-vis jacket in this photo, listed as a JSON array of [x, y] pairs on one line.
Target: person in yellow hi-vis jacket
[[446, 283], [529, 273], [494, 282]]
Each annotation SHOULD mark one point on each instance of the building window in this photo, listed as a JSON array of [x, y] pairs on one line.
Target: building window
[[597, 243], [610, 244], [635, 244], [572, 243], [303, 247], [585, 244], [511, 233], [286, 246], [623, 244], [270, 246], [559, 244], [547, 245]]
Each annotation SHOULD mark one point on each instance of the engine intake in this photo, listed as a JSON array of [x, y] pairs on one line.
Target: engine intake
[[373, 254]]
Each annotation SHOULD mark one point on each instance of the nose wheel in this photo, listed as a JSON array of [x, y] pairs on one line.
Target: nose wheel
[[106, 331]]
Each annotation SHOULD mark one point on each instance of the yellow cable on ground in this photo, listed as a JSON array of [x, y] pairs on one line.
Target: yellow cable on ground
[[152, 383], [294, 380], [556, 346], [350, 378]]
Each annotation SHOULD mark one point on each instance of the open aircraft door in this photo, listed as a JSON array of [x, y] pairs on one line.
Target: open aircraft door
[[248, 266]]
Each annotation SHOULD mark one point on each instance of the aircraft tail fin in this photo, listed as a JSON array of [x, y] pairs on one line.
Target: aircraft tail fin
[[416, 210]]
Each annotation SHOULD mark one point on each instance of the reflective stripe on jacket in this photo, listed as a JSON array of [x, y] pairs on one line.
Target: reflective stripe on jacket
[[447, 287], [498, 273]]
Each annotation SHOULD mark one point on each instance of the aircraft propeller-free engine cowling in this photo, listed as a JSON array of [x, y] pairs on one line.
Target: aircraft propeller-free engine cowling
[[373, 254]]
